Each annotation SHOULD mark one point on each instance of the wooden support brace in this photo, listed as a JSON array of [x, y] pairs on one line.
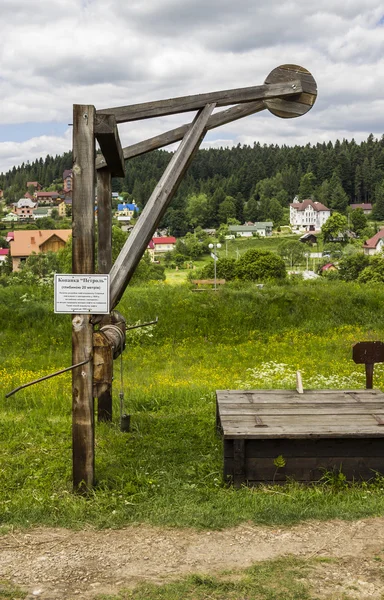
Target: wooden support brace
[[175, 135], [161, 108], [153, 211], [108, 137]]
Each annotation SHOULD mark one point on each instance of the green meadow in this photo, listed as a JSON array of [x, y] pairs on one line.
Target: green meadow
[[168, 469]]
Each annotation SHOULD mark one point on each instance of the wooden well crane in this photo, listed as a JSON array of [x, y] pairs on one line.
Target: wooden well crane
[[288, 91]]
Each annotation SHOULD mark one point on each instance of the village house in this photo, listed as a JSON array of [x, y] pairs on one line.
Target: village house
[[159, 245], [24, 208], [47, 197], [308, 215], [4, 252], [10, 218], [366, 207], [67, 180], [262, 229], [25, 243], [35, 185], [125, 211], [41, 212], [375, 244]]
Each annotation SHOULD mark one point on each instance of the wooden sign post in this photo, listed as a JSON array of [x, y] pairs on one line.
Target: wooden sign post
[[289, 91]]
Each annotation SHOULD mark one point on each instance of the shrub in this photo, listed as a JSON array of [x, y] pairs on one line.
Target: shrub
[[260, 265]]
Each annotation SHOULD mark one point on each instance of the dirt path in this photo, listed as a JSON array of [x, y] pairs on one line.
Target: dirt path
[[58, 563]]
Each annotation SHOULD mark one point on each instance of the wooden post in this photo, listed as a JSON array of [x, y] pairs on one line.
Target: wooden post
[[104, 259], [83, 261]]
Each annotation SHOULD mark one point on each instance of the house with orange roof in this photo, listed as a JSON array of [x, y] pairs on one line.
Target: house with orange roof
[[25, 243], [375, 244]]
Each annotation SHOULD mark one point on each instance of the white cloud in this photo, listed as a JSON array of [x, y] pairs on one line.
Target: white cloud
[[112, 53]]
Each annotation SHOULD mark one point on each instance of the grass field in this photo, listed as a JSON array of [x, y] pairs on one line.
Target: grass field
[[167, 470]]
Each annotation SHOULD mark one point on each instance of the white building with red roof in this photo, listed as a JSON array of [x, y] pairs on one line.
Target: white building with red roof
[[308, 215], [159, 245], [4, 252], [375, 244]]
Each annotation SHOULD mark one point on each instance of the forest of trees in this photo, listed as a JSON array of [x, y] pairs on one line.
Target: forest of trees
[[241, 183]]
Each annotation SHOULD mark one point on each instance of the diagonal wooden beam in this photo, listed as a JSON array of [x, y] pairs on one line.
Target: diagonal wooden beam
[[153, 211], [161, 108], [107, 135], [175, 135]]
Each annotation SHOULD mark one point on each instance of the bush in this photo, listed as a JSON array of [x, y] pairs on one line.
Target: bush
[[260, 265], [225, 269]]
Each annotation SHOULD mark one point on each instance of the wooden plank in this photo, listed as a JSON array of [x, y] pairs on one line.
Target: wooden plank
[[238, 462], [153, 211], [108, 137], [171, 106], [233, 410], [320, 432], [83, 261], [368, 352], [308, 392], [322, 447], [307, 469], [299, 383], [287, 396], [175, 135]]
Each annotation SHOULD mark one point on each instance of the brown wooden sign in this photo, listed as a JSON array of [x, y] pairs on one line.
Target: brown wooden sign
[[368, 353]]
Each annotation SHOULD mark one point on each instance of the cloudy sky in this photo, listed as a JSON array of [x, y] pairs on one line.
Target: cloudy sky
[[56, 53]]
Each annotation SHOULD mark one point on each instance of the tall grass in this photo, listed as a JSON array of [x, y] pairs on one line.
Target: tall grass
[[167, 470]]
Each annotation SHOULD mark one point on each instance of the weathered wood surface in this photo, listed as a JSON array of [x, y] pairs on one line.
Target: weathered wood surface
[[175, 135], [279, 413], [324, 430], [288, 108], [109, 141], [104, 259], [171, 106], [368, 353], [83, 241], [208, 281], [291, 396], [104, 221], [153, 211], [320, 447]]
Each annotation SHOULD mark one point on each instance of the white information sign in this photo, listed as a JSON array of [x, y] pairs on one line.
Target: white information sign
[[82, 294]]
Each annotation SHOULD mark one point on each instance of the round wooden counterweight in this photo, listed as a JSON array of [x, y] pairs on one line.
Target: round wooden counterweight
[[292, 106]]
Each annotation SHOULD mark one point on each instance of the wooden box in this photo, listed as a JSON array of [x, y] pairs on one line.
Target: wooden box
[[271, 436]]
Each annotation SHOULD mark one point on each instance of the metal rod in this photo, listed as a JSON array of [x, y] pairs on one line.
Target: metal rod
[[143, 324], [84, 362]]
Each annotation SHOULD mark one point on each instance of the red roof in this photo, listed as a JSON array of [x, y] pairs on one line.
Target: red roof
[[373, 241], [4, 251], [317, 206], [328, 266], [10, 236], [164, 240]]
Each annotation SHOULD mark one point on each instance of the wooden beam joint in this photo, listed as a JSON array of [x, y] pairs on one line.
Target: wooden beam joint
[[107, 135]]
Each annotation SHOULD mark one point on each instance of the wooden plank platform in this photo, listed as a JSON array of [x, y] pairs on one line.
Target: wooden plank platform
[[314, 432]]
